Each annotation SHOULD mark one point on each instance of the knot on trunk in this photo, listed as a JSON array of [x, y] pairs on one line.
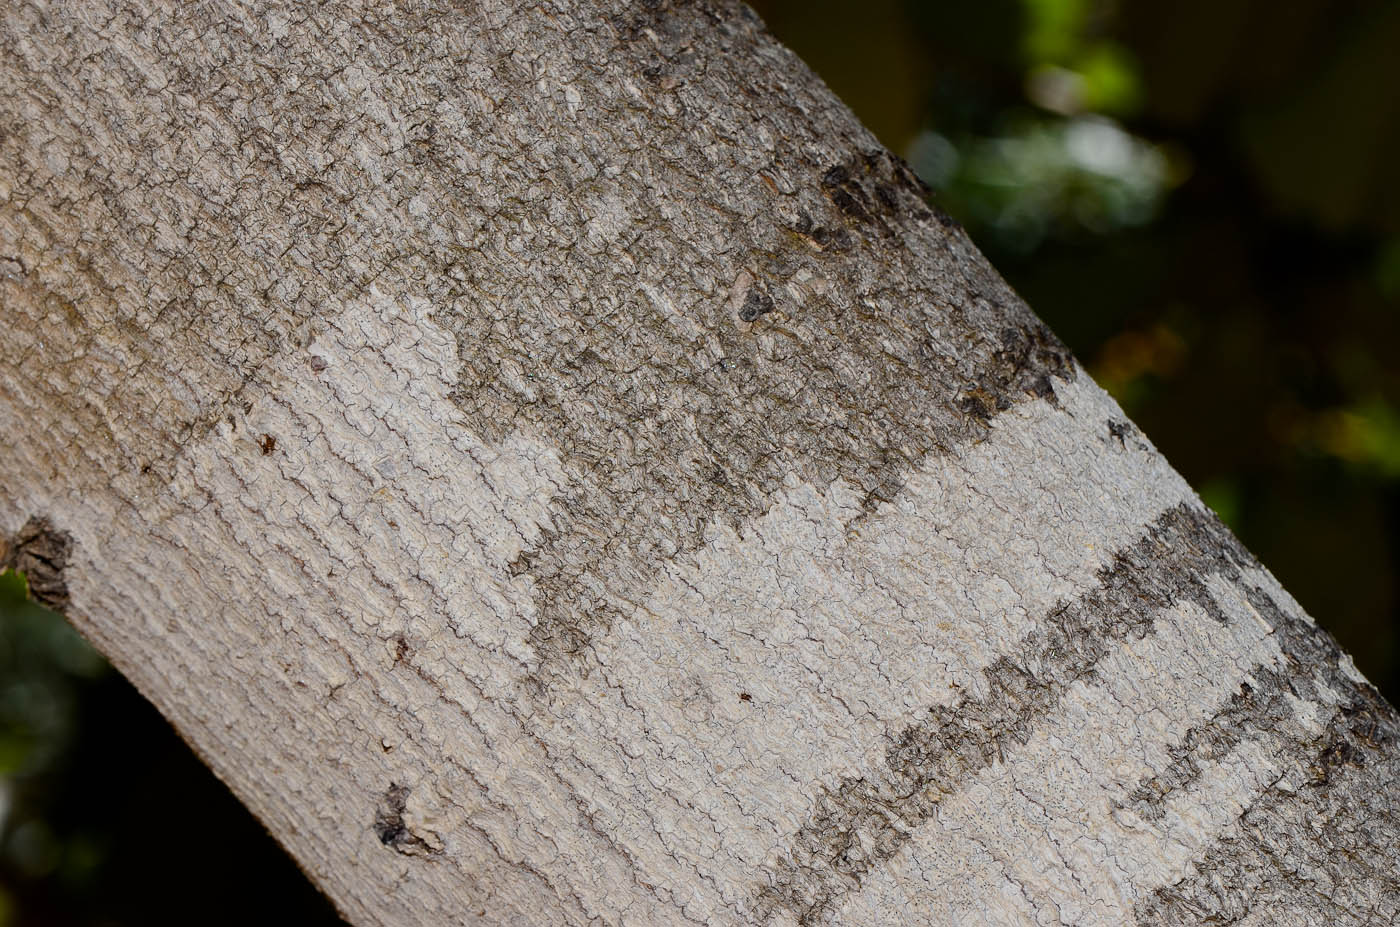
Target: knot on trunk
[[39, 551]]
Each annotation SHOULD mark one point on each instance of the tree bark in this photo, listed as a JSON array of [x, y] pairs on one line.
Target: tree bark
[[555, 467]]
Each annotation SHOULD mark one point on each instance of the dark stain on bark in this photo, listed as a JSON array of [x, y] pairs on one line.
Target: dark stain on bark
[[388, 820], [757, 303], [658, 443], [1332, 813], [1125, 431], [40, 551], [667, 415], [823, 238], [864, 820], [1244, 714], [876, 187], [658, 438], [1323, 843], [389, 824]]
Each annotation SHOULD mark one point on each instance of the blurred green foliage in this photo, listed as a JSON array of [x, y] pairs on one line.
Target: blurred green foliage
[[40, 660], [43, 664], [1202, 199]]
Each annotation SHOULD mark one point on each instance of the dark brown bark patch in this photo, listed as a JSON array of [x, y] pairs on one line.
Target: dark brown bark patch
[[876, 186], [389, 824], [40, 551], [757, 303]]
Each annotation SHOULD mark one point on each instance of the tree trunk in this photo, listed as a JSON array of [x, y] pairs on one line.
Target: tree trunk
[[553, 465]]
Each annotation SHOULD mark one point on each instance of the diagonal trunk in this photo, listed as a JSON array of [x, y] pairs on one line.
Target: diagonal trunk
[[554, 466]]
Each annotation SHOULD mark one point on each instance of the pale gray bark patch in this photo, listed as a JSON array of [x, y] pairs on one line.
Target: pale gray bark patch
[[866, 820], [39, 551]]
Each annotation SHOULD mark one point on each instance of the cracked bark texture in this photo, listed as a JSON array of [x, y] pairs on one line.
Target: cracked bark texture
[[555, 467]]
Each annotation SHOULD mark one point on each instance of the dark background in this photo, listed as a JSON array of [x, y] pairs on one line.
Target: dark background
[[1201, 198]]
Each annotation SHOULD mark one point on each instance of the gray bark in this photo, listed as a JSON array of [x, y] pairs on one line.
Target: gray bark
[[555, 467]]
